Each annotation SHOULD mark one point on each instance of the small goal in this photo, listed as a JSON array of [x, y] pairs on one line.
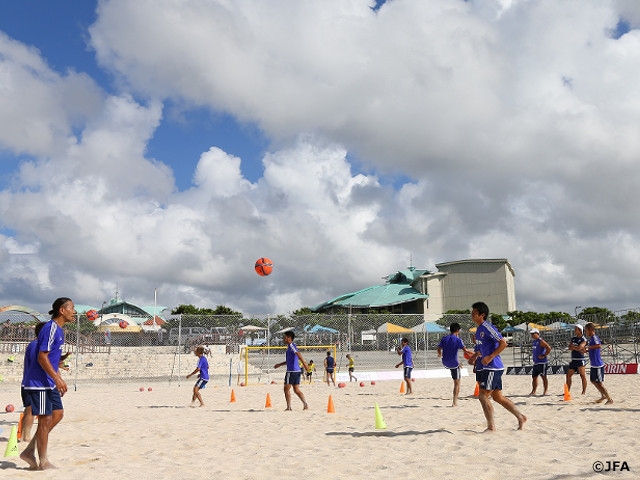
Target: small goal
[[263, 359]]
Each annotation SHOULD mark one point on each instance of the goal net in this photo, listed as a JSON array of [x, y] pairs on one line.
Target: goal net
[[256, 364]]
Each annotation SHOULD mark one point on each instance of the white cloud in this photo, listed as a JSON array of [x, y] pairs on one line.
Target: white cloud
[[514, 121]]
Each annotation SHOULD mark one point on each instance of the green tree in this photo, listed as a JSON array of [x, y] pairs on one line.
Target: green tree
[[597, 315]]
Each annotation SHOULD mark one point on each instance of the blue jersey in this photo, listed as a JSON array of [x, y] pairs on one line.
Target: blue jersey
[[450, 344], [292, 358], [576, 341], [479, 366], [203, 365], [595, 358], [330, 362], [537, 351], [488, 338], [51, 340], [30, 356], [407, 358]]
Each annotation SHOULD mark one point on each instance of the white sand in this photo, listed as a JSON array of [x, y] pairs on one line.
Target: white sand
[[118, 432]]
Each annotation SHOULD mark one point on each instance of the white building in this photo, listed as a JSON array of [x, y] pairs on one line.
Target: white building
[[458, 284]]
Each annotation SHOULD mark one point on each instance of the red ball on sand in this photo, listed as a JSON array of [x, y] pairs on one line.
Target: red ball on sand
[[9, 408], [373, 383], [273, 382], [242, 384], [149, 389], [413, 379], [362, 384], [264, 266], [342, 385], [142, 389]]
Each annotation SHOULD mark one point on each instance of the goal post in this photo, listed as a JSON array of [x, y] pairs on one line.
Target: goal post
[[267, 356]]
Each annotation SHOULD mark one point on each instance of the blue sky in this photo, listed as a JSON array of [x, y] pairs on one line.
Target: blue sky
[[168, 145]]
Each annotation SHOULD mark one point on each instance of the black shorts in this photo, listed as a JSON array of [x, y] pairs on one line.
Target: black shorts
[[539, 370], [455, 373], [576, 364], [292, 378]]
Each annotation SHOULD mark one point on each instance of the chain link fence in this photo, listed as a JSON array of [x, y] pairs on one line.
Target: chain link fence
[[144, 349]]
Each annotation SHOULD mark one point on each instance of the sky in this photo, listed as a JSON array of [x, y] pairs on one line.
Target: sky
[[164, 146]]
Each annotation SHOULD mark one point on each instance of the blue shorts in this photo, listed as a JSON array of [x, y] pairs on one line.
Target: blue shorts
[[292, 378], [26, 401], [576, 364], [596, 374], [200, 384], [44, 402], [478, 376], [539, 369], [407, 372], [491, 379], [455, 373]]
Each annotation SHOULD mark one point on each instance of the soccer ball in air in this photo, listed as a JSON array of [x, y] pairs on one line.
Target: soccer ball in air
[[264, 266]]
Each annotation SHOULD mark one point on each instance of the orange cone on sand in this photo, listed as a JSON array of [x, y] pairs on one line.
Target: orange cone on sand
[[567, 394], [330, 406], [476, 392], [267, 403], [233, 396], [402, 387]]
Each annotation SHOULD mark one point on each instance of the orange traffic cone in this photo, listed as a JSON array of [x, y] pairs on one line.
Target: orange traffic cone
[[233, 396], [330, 406], [476, 392], [402, 387], [567, 394], [267, 403]]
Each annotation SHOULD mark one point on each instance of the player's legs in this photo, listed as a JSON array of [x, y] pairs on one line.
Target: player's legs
[[484, 397], [570, 373], [510, 406], [287, 395], [534, 384], [27, 424], [456, 391], [298, 392], [597, 378], [545, 384], [583, 377]]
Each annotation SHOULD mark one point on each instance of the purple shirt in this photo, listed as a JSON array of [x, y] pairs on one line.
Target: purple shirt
[[595, 358], [51, 339], [488, 338], [450, 344], [292, 358], [407, 358], [203, 365]]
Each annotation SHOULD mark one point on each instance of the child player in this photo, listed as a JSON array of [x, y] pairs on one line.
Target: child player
[[407, 363], [203, 376], [597, 365]]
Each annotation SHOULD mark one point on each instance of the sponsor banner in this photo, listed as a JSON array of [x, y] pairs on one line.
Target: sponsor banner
[[621, 368], [609, 368], [551, 370]]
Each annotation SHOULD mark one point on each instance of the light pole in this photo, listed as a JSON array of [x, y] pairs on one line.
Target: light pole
[[576, 310]]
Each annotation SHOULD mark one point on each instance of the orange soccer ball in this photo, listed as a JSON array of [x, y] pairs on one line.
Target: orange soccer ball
[[264, 266]]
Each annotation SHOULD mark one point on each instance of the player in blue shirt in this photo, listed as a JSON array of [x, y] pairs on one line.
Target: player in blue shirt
[[448, 350], [203, 376], [597, 365], [491, 344], [540, 356], [407, 363], [578, 347], [329, 369], [292, 377], [43, 385]]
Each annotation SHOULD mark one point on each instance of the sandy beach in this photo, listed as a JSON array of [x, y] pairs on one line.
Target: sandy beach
[[117, 432]]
